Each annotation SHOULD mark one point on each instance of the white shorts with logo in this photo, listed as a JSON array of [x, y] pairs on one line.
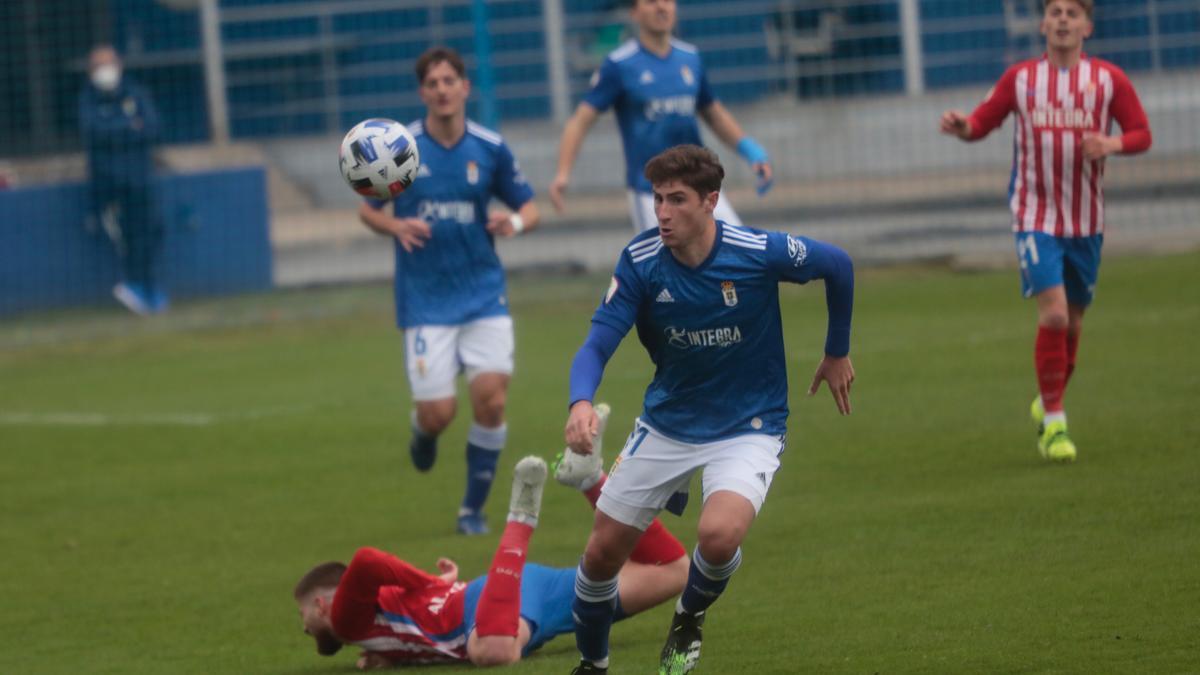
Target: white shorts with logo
[[641, 210], [653, 467], [435, 355]]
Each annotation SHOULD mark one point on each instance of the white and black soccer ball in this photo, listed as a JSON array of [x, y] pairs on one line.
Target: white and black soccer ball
[[379, 158]]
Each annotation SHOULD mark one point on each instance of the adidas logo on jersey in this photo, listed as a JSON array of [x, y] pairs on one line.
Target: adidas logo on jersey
[[423, 171], [665, 296], [647, 77]]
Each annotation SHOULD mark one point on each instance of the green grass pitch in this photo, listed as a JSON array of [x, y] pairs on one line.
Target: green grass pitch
[[165, 482]]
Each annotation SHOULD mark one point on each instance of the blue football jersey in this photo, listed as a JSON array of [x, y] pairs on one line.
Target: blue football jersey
[[713, 332], [456, 276], [656, 100]]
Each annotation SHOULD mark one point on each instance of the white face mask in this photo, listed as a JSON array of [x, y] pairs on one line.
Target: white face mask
[[106, 77]]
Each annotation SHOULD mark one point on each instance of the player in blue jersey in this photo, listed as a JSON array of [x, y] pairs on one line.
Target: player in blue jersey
[[657, 85], [450, 292], [704, 295]]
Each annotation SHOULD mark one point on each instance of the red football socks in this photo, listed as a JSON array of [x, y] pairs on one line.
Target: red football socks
[[657, 545], [1072, 349], [1050, 357], [499, 611], [592, 494]]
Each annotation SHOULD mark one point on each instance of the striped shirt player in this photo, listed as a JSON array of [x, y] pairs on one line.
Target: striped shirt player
[[659, 89], [1054, 189], [400, 615], [385, 605], [1065, 105]]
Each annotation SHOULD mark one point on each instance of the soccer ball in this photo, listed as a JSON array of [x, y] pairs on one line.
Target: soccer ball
[[379, 158]]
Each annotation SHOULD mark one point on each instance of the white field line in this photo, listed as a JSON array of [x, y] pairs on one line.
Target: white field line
[[98, 419]]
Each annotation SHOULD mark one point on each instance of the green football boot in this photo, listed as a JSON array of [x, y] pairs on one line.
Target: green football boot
[[1054, 445], [682, 650], [1037, 413]]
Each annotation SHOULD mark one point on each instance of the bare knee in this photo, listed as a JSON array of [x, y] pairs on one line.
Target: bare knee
[[489, 410], [718, 545], [601, 563], [1054, 320], [434, 416], [489, 395], [1053, 309]]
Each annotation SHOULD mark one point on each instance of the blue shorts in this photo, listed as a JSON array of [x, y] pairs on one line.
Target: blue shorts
[[546, 597], [1048, 261]]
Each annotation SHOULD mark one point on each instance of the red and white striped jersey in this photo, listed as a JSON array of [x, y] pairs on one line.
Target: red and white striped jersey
[[1053, 188], [386, 605]]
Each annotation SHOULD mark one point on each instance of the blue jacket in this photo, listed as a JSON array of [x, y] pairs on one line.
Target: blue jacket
[[119, 129]]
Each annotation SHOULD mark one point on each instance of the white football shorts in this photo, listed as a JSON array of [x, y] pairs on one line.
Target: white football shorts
[[435, 355], [653, 467], [641, 210]]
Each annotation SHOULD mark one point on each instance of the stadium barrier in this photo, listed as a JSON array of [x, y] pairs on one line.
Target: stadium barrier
[[216, 241]]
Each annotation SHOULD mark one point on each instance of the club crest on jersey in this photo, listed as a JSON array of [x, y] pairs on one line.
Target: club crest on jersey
[[472, 172], [612, 290], [797, 251], [686, 74], [729, 293]]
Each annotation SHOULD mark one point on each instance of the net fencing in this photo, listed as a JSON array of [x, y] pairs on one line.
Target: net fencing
[[251, 97]]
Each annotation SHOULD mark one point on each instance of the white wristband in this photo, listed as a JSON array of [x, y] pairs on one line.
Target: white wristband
[[518, 223]]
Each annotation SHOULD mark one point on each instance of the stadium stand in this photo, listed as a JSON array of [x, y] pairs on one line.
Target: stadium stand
[[821, 82]]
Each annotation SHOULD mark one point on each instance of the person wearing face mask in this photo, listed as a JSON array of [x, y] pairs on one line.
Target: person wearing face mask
[[119, 126]]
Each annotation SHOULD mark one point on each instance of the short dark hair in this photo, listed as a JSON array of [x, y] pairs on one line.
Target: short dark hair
[[694, 166], [436, 55], [325, 575], [1089, 6]]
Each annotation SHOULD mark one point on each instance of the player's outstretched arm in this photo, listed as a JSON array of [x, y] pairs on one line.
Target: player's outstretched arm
[[573, 134], [800, 260], [834, 266], [956, 123], [988, 115], [353, 610], [726, 127], [586, 371]]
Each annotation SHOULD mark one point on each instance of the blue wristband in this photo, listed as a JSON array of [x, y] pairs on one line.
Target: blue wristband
[[754, 153], [751, 151]]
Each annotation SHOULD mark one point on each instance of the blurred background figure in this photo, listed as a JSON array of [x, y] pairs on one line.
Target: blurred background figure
[[119, 126]]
